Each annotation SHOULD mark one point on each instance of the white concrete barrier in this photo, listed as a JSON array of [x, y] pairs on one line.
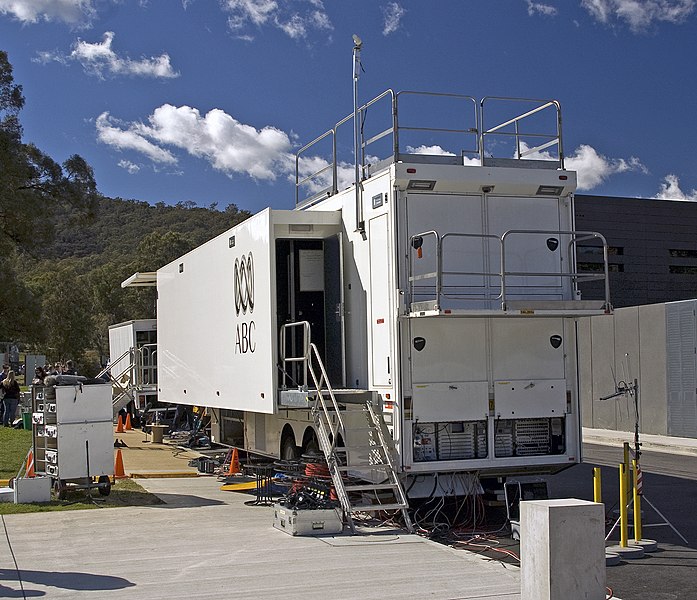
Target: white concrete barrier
[[562, 550]]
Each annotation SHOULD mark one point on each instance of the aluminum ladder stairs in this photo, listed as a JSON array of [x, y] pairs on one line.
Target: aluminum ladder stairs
[[122, 390], [373, 462]]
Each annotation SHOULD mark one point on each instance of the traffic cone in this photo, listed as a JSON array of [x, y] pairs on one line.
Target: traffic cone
[[128, 427], [119, 472], [234, 463], [119, 425], [30, 465]]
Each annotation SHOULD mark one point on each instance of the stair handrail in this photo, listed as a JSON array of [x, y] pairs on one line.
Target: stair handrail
[[320, 400], [304, 358]]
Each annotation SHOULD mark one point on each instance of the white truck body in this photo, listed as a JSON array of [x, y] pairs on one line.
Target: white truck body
[[445, 289]]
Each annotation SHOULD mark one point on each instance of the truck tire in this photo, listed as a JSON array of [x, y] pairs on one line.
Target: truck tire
[[289, 451]]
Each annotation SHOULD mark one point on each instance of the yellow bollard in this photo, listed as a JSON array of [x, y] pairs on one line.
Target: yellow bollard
[[623, 507], [627, 467], [597, 491], [637, 501]]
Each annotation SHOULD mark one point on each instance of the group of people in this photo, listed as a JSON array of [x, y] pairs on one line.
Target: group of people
[[40, 373], [10, 391]]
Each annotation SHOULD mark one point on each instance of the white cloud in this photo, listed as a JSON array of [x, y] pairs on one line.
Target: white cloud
[[437, 150], [639, 14], [393, 14], [594, 169], [228, 145], [591, 167], [99, 58], [109, 132], [670, 190], [32, 11], [296, 18], [132, 168], [541, 9]]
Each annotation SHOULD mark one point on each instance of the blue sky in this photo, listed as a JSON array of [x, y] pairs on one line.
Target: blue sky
[[207, 100]]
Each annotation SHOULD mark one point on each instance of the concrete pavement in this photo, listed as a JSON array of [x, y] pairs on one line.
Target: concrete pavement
[[204, 543], [657, 443]]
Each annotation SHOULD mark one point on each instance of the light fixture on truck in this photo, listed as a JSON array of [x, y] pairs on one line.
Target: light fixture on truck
[[421, 184], [550, 190]]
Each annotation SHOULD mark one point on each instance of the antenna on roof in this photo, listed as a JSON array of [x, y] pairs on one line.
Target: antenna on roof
[[357, 44]]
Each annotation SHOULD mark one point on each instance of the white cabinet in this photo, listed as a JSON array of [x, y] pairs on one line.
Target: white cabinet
[[73, 432]]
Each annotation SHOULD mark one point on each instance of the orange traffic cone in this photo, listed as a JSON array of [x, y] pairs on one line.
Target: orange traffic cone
[[234, 463], [119, 425], [30, 465], [119, 472], [128, 427]]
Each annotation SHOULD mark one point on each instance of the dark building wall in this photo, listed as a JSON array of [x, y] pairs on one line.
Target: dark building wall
[[653, 248]]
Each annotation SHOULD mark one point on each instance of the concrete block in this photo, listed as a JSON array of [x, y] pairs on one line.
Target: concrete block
[[32, 489], [562, 550], [7, 494]]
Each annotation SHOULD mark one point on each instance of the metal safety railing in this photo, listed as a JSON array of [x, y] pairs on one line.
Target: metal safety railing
[[309, 358], [495, 284], [511, 129], [414, 135], [145, 365]]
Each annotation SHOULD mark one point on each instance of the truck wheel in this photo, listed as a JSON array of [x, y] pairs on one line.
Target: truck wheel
[[59, 489], [289, 451], [104, 485]]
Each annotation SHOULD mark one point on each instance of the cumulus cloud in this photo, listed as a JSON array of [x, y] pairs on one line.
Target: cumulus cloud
[[228, 145], [639, 14], [592, 168], [392, 14], [296, 18], [73, 12], [670, 190], [537, 8], [437, 150], [99, 58], [112, 132]]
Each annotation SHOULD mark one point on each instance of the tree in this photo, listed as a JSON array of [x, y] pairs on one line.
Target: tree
[[32, 188], [32, 184]]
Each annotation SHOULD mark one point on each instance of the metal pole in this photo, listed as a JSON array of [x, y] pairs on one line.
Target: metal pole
[[597, 491], [637, 445], [357, 43]]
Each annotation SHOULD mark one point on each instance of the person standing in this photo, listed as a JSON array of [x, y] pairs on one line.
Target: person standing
[[11, 398], [3, 375]]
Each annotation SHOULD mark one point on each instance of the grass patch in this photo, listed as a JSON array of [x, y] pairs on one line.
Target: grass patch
[[15, 444], [126, 492]]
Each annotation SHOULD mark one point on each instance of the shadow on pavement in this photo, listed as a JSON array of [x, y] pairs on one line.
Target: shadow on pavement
[[68, 580], [184, 501]]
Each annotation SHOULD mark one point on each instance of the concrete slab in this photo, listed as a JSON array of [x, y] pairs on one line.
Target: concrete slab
[[656, 443], [143, 458], [205, 543]]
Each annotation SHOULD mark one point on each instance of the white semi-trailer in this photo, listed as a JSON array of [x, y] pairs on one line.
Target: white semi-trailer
[[442, 290]]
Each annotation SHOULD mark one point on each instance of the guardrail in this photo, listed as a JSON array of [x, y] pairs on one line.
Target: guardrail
[[410, 121], [437, 291]]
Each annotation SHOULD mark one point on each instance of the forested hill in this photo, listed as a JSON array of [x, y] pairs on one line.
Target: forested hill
[[115, 228], [59, 298]]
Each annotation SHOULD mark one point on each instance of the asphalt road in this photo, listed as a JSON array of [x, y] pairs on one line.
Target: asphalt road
[[670, 485]]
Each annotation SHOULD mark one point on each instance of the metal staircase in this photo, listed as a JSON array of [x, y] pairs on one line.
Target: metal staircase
[[122, 391], [364, 476]]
